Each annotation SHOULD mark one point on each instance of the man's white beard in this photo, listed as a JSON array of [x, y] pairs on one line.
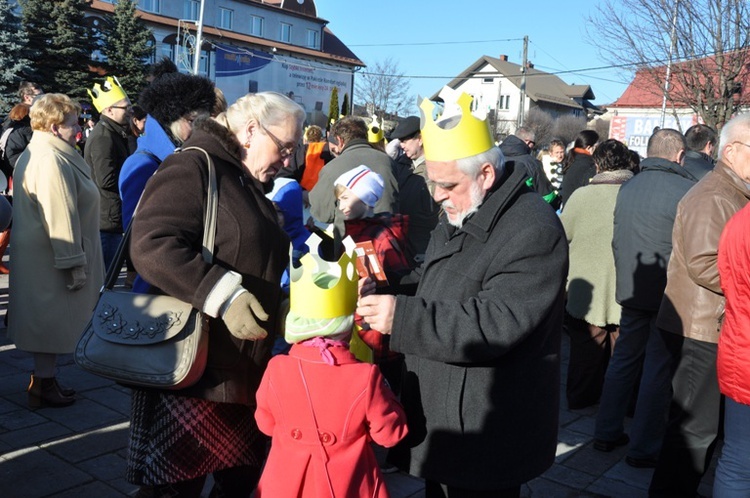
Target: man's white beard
[[477, 197]]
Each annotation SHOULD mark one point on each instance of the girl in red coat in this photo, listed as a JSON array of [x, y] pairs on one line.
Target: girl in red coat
[[733, 363], [323, 407]]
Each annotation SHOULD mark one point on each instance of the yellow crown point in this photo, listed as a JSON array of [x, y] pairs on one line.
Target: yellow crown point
[[313, 296], [375, 131], [107, 94], [468, 137]]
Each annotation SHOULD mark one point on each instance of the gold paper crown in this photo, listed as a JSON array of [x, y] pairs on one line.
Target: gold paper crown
[[469, 137], [107, 94], [308, 299], [375, 131]]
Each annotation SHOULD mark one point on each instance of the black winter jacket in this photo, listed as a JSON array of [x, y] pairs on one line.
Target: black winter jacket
[[482, 343], [644, 216], [580, 173], [515, 150], [106, 149]]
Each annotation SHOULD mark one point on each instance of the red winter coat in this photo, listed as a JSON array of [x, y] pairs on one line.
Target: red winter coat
[[349, 403], [733, 362]]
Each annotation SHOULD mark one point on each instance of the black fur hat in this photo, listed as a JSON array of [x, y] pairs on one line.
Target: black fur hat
[[174, 95]]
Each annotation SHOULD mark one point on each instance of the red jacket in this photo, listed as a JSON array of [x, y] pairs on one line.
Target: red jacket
[[733, 362], [349, 403]]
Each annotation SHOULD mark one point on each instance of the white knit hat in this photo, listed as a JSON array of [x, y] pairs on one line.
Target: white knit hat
[[364, 182]]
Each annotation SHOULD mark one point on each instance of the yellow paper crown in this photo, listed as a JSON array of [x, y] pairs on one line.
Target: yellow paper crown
[[339, 298], [107, 94], [375, 131], [469, 137]]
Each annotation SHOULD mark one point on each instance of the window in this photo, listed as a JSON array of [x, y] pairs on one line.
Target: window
[[488, 80], [256, 26], [313, 38], [192, 9], [151, 58], [286, 32], [507, 101], [225, 18], [151, 5]]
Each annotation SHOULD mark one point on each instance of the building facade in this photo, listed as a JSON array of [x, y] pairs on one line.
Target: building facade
[[251, 46], [496, 86]]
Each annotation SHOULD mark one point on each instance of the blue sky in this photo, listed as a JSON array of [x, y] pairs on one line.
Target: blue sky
[[558, 40]]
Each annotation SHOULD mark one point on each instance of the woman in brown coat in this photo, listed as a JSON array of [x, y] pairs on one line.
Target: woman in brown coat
[[178, 437]]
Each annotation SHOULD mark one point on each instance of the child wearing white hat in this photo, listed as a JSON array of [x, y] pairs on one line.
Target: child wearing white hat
[[357, 192]]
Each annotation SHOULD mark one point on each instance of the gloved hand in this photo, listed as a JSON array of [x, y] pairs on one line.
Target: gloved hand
[[240, 317], [78, 277]]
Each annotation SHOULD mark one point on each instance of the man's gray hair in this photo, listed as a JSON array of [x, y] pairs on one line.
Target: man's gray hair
[[525, 134], [733, 131], [472, 165]]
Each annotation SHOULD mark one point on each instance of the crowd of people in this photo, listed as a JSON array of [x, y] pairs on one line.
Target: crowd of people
[[483, 255]]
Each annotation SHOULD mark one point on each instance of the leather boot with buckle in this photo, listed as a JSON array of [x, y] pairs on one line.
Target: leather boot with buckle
[[45, 392]]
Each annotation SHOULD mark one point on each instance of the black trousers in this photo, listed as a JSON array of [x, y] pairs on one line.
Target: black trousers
[[591, 348], [694, 418]]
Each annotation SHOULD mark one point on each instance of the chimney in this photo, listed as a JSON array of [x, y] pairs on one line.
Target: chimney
[[503, 57]]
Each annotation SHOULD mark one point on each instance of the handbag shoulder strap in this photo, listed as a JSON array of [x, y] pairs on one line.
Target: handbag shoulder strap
[[209, 230], [212, 204]]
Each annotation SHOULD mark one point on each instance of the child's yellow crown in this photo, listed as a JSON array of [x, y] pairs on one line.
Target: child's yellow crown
[[107, 94], [469, 137], [375, 131], [338, 298]]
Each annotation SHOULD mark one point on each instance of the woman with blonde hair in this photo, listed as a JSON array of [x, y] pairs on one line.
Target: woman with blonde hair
[[179, 437], [57, 256]]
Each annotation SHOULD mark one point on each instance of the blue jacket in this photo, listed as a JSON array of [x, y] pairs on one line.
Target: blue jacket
[[140, 166]]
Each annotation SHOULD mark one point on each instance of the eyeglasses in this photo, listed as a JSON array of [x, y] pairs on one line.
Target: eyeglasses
[[128, 107], [741, 143], [284, 150]]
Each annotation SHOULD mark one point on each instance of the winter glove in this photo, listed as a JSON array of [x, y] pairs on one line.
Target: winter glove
[[78, 277], [240, 317]]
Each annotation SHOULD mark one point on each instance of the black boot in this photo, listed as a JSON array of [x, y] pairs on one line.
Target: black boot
[[46, 392]]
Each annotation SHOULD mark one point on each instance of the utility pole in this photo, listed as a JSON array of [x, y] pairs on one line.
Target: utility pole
[[672, 42], [198, 40], [524, 64]]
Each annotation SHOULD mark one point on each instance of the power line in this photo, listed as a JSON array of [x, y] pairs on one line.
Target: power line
[[434, 43]]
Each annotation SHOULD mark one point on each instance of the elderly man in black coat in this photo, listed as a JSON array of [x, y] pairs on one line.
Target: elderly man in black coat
[[482, 335]]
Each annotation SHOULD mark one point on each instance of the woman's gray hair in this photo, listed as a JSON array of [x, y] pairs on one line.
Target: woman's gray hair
[[735, 127], [268, 108], [472, 165]]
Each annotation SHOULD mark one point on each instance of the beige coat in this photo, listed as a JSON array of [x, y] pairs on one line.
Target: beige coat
[[55, 228]]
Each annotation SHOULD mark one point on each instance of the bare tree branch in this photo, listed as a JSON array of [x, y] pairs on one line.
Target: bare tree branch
[[710, 50], [384, 88]]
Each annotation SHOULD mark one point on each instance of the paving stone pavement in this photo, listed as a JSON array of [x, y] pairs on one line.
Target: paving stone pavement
[[80, 451]]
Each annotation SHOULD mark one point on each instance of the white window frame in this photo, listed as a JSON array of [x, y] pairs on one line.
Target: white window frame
[[313, 38], [150, 5], [261, 21], [192, 9], [288, 38], [223, 13]]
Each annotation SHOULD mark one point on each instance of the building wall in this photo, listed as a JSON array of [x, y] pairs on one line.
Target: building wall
[[496, 92], [634, 126], [238, 67]]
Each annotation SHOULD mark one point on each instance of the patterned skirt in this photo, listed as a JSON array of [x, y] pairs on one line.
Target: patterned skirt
[[175, 438]]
